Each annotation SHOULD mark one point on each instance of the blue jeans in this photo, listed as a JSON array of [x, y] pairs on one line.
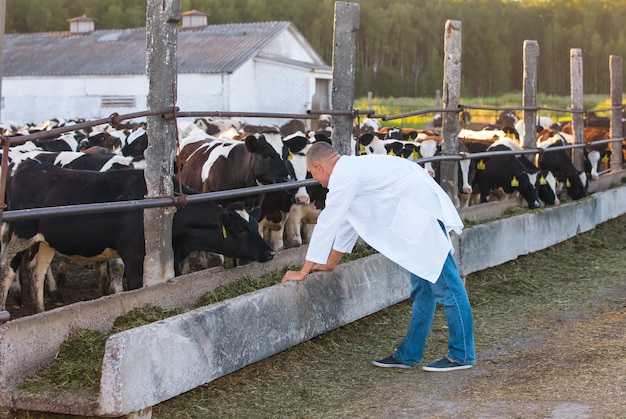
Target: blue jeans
[[449, 291]]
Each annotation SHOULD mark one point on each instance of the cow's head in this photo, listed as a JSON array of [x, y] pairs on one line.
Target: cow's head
[[269, 163], [577, 185], [546, 187], [525, 183], [232, 231], [136, 143], [369, 144], [297, 145], [240, 234]]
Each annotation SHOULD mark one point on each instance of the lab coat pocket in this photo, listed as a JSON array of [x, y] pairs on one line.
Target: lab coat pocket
[[408, 222]]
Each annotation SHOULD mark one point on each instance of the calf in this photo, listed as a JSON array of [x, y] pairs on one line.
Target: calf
[[370, 144], [200, 226], [309, 202], [276, 205], [594, 154], [560, 164], [506, 172], [545, 182]]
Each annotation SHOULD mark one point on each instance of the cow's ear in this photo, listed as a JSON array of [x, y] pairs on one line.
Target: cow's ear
[[236, 206], [366, 139], [296, 144], [253, 142], [254, 212], [321, 137]]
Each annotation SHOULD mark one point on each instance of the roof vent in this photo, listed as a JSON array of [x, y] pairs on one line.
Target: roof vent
[[194, 19], [82, 24]]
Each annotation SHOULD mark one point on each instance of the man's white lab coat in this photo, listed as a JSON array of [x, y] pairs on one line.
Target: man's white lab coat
[[392, 204]]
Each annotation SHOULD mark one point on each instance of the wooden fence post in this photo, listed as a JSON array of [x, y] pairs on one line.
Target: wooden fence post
[[617, 126], [3, 8], [576, 80], [162, 17], [451, 96], [346, 26], [531, 54]]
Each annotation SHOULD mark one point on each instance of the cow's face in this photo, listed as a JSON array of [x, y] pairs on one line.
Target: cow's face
[[136, 143], [525, 183], [268, 162], [297, 146], [231, 231], [369, 144], [240, 235], [546, 187], [577, 185]]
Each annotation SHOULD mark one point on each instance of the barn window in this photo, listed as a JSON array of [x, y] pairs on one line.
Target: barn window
[[117, 101]]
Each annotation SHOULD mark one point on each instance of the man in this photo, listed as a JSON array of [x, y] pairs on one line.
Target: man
[[398, 209]]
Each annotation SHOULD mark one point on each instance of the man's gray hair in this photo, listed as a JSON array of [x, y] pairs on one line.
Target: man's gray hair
[[320, 152]]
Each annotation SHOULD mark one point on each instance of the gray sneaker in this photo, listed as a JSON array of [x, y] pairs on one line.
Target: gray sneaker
[[444, 365], [389, 362]]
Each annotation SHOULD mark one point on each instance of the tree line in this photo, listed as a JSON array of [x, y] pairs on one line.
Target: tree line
[[400, 43]]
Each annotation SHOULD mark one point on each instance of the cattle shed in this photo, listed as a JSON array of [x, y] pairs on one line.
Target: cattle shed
[[266, 67]]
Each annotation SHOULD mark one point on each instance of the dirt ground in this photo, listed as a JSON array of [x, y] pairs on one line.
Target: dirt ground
[[569, 364]]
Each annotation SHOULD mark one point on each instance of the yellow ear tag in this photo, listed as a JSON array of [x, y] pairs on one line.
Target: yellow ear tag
[[290, 156], [480, 165], [542, 180], [514, 182], [391, 153], [224, 232], [605, 159], [361, 149], [567, 183], [415, 154]]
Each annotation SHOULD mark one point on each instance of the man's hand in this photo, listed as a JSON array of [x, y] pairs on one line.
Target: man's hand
[[294, 276]]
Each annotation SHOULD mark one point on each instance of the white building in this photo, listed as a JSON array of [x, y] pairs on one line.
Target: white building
[[86, 73]]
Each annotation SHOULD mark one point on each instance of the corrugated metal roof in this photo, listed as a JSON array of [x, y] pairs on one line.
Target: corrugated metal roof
[[208, 49]]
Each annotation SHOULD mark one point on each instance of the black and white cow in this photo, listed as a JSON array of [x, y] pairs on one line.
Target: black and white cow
[[199, 226], [506, 172], [276, 206], [209, 164], [370, 143], [135, 143], [545, 182], [559, 162], [99, 162], [309, 201]]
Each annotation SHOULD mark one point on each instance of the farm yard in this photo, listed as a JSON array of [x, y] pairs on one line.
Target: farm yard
[[547, 323]]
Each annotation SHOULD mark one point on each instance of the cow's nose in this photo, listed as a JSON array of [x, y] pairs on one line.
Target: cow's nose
[[556, 201], [302, 200]]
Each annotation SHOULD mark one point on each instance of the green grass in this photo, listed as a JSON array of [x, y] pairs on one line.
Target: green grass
[[395, 106]]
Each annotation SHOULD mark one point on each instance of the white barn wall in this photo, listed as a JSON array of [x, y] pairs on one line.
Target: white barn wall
[[203, 92], [283, 81], [33, 99]]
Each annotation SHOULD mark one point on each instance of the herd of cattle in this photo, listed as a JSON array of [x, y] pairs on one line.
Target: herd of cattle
[[106, 165]]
